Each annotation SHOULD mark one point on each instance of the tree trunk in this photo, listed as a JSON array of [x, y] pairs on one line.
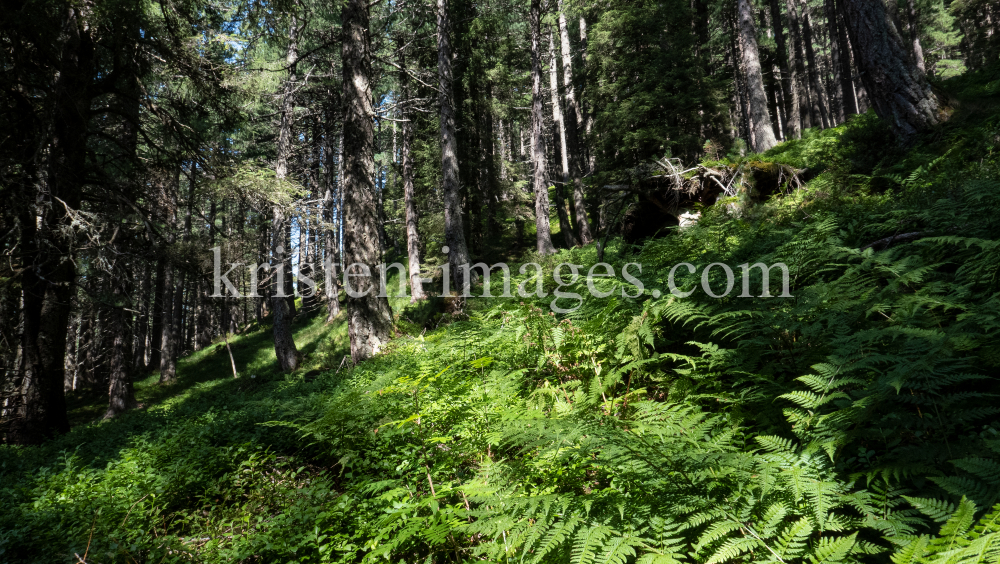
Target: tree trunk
[[838, 97], [914, 22], [896, 87], [121, 393], [559, 135], [409, 193], [458, 252], [156, 330], [142, 320], [370, 319], [538, 176], [47, 287], [801, 79], [818, 94], [789, 96], [168, 345], [284, 344], [763, 131], [331, 260], [847, 91], [573, 120]]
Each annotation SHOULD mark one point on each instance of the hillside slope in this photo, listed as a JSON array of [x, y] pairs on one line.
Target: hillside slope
[[854, 421]]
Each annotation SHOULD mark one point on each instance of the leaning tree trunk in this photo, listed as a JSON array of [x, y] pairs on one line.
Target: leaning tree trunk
[[284, 344], [559, 134], [573, 119], [538, 184], [763, 131], [370, 319], [458, 252], [898, 90]]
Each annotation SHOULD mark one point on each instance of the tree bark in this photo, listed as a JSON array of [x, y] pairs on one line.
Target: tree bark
[[818, 93], [142, 321], [538, 175], [789, 96], [121, 393], [801, 79], [409, 192], [914, 22], [168, 345], [763, 131], [559, 135], [458, 251], [847, 91], [331, 260], [573, 120], [370, 319], [896, 87], [837, 94], [284, 344]]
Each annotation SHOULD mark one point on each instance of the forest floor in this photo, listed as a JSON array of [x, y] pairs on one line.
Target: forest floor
[[843, 424]]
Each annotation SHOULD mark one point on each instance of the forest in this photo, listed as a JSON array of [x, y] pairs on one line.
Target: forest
[[435, 281]]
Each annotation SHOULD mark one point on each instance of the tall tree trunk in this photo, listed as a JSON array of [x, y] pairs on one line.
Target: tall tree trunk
[[409, 193], [789, 96], [121, 394], [156, 330], [847, 91], [573, 120], [818, 94], [896, 87], [142, 320], [331, 260], [838, 96], [914, 22], [458, 252], [538, 176], [763, 131], [284, 344], [47, 287], [800, 77], [588, 116], [168, 345], [370, 319], [559, 136]]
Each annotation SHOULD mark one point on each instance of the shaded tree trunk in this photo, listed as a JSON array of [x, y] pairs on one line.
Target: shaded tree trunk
[[818, 94], [458, 252], [538, 176], [800, 77], [409, 193], [121, 393], [370, 319], [763, 131], [847, 91], [331, 261], [898, 90], [573, 120], [559, 135], [168, 343], [789, 96], [914, 23], [284, 344]]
